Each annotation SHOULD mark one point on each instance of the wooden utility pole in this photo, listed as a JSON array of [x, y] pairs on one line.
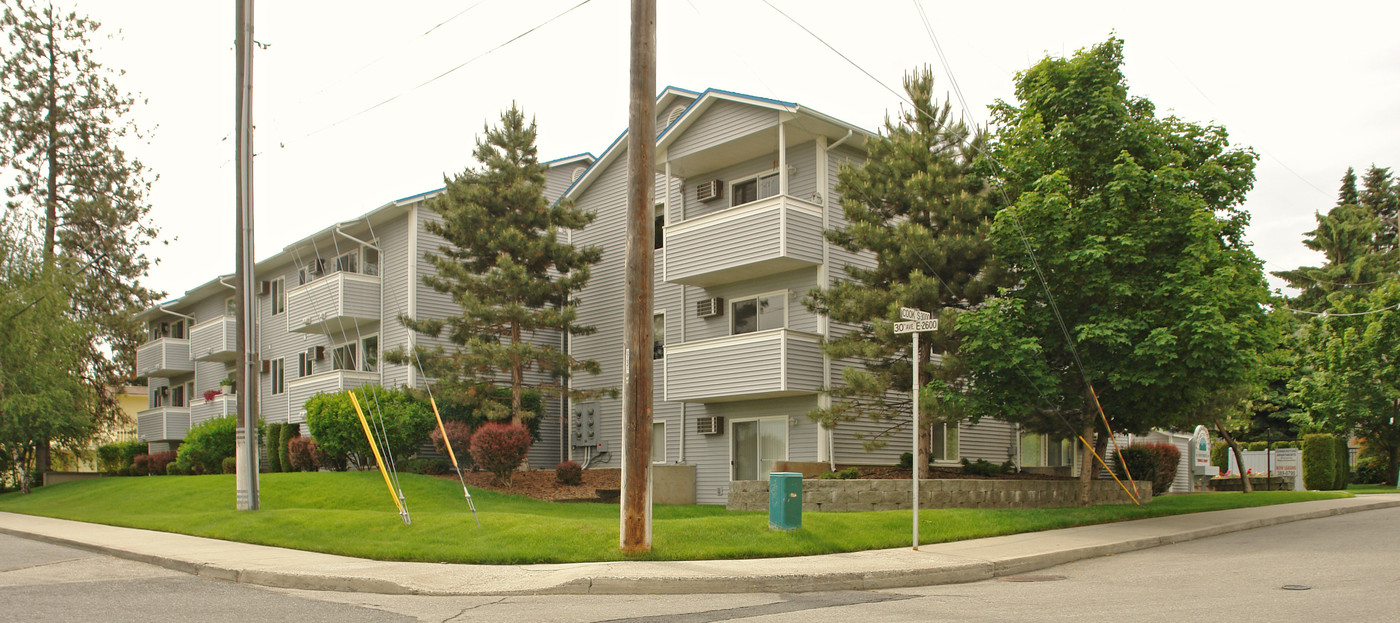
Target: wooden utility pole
[[245, 348], [635, 535]]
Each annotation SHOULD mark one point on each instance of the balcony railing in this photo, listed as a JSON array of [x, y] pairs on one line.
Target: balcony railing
[[164, 358], [163, 424], [336, 304], [767, 236], [202, 410], [213, 340], [766, 364]]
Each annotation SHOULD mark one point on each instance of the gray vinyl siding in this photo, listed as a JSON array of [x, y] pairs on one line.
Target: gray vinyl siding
[[723, 121], [277, 342], [776, 235], [558, 179], [802, 171], [797, 283], [431, 303], [990, 439], [664, 114], [753, 364], [711, 453], [396, 273], [213, 337], [324, 383]]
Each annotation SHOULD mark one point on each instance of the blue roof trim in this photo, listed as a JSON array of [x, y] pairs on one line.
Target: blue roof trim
[[419, 195], [589, 155], [590, 166], [702, 95]]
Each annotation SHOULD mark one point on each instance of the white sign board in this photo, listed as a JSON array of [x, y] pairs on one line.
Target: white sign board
[[915, 326], [1288, 462], [909, 313], [1200, 448]]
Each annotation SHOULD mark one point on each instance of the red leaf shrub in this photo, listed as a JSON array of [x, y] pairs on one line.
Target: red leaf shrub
[[1167, 458], [569, 473], [300, 451], [141, 465], [460, 434], [157, 462], [500, 448], [1149, 462]]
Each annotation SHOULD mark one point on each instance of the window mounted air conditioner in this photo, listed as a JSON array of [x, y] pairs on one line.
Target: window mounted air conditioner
[[712, 425], [709, 191], [710, 308]]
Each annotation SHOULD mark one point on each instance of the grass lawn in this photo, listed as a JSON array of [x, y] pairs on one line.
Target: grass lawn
[[350, 514], [1354, 488]]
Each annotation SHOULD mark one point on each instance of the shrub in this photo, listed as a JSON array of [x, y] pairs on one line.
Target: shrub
[[460, 434], [114, 456], [1220, 455], [500, 448], [229, 465], [141, 465], [1370, 470], [906, 460], [207, 444], [980, 467], [1167, 459], [430, 467], [1137, 460], [158, 461], [299, 454], [1319, 461], [332, 421], [272, 432], [320, 460], [475, 404], [850, 473], [284, 459], [173, 469], [569, 473], [126, 471], [1343, 466]]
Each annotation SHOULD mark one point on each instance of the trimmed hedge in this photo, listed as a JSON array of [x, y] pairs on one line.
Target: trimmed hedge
[[230, 465], [1319, 461], [1220, 455], [284, 458], [1343, 465], [207, 443], [114, 456]]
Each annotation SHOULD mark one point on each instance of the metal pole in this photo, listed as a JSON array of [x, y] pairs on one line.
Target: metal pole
[[635, 521], [915, 428], [244, 345]]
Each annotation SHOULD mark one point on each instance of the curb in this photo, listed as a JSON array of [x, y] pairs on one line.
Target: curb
[[945, 563]]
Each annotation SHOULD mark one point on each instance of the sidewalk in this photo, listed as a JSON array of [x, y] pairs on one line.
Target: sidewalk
[[946, 563]]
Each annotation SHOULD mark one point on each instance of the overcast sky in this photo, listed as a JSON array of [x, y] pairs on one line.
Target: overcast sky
[[345, 122]]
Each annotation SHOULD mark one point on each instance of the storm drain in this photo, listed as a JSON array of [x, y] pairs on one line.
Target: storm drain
[[1296, 587]]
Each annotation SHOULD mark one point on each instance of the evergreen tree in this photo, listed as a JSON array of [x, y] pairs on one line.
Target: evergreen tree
[[1381, 196], [1136, 229], [917, 206], [506, 267], [1352, 238], [61, 124]]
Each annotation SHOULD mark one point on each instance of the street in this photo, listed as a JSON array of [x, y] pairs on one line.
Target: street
[[1348, 564]]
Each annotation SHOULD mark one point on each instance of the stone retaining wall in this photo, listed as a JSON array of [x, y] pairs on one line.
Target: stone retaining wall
[[877, 495]]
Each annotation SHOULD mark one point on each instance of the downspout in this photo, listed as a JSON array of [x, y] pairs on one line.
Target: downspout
[[175, 313], [849, 134]]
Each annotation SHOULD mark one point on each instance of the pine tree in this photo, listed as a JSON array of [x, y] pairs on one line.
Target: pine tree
[[917, 206], [1353, 241], [62, 122], [510, 273], [1381, 196]]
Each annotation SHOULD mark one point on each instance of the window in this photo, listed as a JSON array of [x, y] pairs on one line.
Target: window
[[755, 445], [944, 442], [1040, 451], [758, 313], [230, 307], [370, 347], [177, 396], [347, 263], [343, 357], [658, 336], [753, 189], [279, 296], [304, 365], [658, 442], [304, 275], [177, 329], [279, 376], [371, 261], [659, 238]]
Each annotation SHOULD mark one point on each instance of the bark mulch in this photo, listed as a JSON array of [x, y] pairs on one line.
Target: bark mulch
[[541, 484]]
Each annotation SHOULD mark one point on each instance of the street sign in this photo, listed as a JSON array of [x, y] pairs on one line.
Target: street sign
[[913, 326], [909, 313]]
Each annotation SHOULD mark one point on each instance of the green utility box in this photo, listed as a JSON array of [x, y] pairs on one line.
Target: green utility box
[[784, 500]]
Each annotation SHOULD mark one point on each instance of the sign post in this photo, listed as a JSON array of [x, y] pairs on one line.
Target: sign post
[[916, 322]]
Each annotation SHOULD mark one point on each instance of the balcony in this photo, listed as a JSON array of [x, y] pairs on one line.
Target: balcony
[[336, 304], [202, 410], [162, 424], [164, 358], [767, 236], [766, 364], [302, 389], [214, 340]]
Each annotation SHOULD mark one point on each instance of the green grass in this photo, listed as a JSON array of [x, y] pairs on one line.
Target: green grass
[[350, 514], [1355, 488]]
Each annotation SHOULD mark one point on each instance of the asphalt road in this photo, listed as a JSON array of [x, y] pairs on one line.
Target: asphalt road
[[1349, 564]]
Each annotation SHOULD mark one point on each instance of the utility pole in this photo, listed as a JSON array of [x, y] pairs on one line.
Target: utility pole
[[635, 537], [244, 345]]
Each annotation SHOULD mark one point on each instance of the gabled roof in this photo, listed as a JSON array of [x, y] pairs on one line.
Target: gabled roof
[[697, 107]]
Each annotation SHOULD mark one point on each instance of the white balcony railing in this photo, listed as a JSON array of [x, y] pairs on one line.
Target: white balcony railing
[[164, 358], [214, 340], [339, 303], [764, 237], [163, 424], [766, 364]]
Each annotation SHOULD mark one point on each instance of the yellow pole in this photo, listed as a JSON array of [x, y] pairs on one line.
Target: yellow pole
[[1104, 416], [443, 429], [1131, 494], [377, 459]]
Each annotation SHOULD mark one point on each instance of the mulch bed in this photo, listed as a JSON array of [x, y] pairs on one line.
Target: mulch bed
[[541, 484]]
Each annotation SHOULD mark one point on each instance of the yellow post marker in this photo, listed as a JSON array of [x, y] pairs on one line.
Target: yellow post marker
[[448, 442], [378, 459]]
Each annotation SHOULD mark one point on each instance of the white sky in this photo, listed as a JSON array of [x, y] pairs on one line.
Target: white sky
[[1312, 88]]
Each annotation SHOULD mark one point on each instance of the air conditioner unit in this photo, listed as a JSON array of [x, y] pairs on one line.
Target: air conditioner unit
[[317, 267], [267, 366], [710, 308], [709, 191], [713, 425], [316, 353], [266, 288]]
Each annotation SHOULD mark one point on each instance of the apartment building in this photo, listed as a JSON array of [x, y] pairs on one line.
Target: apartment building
[[327, 306], [745, 187]]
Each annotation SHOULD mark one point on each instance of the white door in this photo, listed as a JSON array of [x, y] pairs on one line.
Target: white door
[[755, 444]]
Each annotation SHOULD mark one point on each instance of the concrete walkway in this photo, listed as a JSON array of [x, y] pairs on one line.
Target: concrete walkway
[[947, 563]]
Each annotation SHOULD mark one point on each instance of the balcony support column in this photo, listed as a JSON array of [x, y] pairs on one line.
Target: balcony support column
[[782, 158]]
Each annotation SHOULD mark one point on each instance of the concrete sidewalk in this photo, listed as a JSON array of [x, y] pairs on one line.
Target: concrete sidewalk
[[947, 563]]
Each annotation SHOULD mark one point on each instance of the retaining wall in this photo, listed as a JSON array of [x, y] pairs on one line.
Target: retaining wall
[[877, 495]]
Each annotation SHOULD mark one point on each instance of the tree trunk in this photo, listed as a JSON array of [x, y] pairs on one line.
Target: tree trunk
[[41, 453], [517, 382], [1086, 462], [1393, 464], [1239, 458]]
